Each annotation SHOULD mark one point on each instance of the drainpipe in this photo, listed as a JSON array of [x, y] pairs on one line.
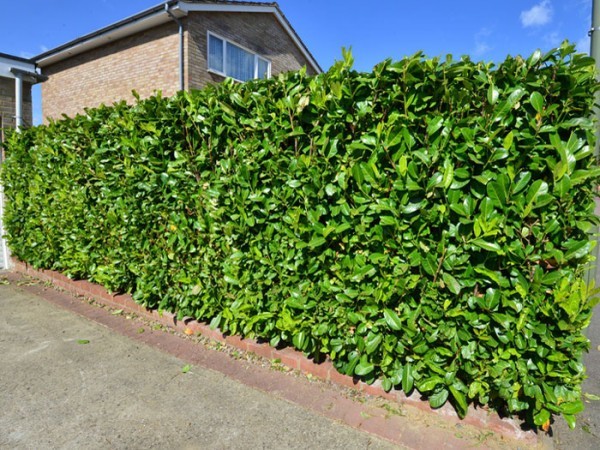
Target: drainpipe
[[18, 101], [594, 273], [180, 24]]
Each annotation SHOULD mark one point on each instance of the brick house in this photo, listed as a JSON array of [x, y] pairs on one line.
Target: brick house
[[173, 46], [17, 75]]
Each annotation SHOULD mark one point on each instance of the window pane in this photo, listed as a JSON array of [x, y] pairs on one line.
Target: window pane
[[215, 53], [240, 63], [263, 68]]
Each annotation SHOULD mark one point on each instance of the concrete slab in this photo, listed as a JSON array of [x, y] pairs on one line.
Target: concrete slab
[[67, 382]]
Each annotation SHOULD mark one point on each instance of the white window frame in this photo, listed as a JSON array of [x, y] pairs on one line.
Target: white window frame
[[226, 41]]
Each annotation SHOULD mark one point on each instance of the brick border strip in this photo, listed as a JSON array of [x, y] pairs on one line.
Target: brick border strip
[[481, 418]]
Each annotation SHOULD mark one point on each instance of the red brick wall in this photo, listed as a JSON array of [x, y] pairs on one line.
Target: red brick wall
[[259, 32], [149, 61], [144, 62]]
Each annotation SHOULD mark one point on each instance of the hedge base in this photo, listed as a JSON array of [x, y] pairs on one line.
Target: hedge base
[[478, 417]]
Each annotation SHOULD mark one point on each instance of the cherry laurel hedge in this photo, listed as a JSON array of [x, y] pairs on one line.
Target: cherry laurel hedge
[[426, 224]]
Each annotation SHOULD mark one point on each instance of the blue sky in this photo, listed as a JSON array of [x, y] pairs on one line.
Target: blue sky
[[375, 29]]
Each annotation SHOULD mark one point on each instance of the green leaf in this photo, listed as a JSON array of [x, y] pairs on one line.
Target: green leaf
[[392, 319], [407, 378], [300, 340], [572, 407], [460, 401], [492, 95], [486, 245], [372, 342], [508, 141], [497, 191], [230, 280], [451, 283], [522, 180], [83, 341], [448, 176], [434, 125], [571, 420], [363, 368], [537, 189], [403, 165], [474, 389], [429, 384], [186, 368], [537, 101], [542, 417], [317, 241], [577, 249], [387, 384], [196, 289], [438, 399]]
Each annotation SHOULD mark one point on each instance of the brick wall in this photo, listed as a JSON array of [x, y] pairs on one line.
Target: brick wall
[[259, 32], [145, 62], [149, 61], [7, 103]]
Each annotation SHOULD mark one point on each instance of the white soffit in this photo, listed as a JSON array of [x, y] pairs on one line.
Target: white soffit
[[7, 63]]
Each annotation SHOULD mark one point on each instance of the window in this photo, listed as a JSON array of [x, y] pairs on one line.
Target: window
[[231, 60]]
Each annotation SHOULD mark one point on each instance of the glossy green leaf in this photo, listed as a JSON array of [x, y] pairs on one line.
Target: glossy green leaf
[[451, 283], [439, 398], [537, 101], [460, 400], [407, 378], [392, 319]]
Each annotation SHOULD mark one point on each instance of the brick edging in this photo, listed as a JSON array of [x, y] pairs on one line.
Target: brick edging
[[478, 417]]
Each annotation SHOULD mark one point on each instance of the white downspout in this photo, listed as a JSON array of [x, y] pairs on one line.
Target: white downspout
[[179, 23], [3, 245], [18, 101]]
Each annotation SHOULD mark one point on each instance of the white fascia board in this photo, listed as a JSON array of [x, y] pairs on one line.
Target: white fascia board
[[199, 7], [8, 63], [111, 35]]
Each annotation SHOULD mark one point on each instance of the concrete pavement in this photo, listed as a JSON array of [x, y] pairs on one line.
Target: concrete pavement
[[69, 383]]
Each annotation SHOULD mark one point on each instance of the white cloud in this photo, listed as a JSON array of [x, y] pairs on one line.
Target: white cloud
[[552, 39], [26, 55], [43, 48], [481, 44], [538, 15]]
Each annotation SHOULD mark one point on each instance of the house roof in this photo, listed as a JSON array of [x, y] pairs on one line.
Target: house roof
[[14, 58], [10, 63], [158, 15]]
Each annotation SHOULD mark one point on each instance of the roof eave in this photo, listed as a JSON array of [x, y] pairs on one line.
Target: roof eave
[[134, 24], [270, 8], [157, 16]]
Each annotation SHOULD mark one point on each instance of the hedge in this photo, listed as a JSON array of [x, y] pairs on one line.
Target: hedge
[[426, 224]]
